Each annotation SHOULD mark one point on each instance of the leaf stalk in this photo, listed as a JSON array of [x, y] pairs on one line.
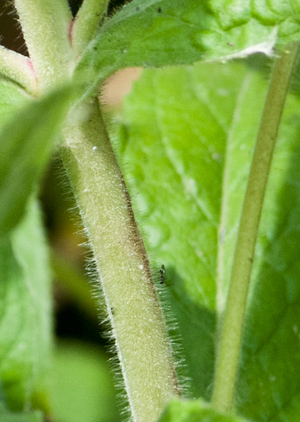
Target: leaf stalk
[[228, 354]]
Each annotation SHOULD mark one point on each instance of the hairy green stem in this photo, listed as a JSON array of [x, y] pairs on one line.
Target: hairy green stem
[[45, 25], [232, 330], [138, 326], [86, 23], [137, 323], [18, 69]]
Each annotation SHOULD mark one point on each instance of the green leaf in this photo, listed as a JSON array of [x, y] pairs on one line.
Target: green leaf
[[194, 411], [25, 147], [22, 417], [187, 119], [25, 316], [185, 140], [168, 32], [12, 97], [191, 123], [192, 337], [82, 387]]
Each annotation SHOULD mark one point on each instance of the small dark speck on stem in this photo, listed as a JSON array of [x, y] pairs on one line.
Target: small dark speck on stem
[[162, 272], [159, 10]]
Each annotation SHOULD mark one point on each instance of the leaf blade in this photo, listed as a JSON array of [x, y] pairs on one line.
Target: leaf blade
[[26, 314], [163, 33], [24, 151], [267, 389], [194, 411], [12, 97]]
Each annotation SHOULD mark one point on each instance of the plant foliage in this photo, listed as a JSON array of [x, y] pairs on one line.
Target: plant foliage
[[184, 140]]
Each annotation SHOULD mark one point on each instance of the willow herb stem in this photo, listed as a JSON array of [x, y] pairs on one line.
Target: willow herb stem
[[137, 323], [138, 326], [228, 353]]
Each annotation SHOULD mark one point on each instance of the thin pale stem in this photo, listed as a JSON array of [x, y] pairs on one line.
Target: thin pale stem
[[231, 336], [138, 326], [85, 24]]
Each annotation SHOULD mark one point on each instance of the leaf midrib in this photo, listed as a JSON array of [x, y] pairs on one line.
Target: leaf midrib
[[220, 299]]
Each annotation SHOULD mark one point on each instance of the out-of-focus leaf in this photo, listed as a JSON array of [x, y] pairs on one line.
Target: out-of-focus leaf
[[76, 284], [194, 411], [12, 97], [25, 146], [25, 316], [82, 387], [186, 140], [169, 32], [22, 417]]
